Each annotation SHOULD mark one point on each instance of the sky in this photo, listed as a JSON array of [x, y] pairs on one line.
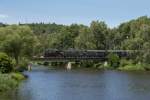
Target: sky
[[113, 12]]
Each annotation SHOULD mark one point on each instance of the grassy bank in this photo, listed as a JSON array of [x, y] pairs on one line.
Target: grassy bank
[[132, 67], [10, 81], [113, 63]]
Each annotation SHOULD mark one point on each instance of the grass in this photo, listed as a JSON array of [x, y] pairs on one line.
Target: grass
[[17, 76], [10, 81], [132, 67]]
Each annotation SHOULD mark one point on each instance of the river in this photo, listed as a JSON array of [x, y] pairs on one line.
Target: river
[[45, 84]]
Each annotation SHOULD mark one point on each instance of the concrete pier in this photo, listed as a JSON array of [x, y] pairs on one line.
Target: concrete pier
[[29, 67], [69, 66]]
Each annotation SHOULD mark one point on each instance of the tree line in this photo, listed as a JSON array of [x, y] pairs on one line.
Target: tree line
[[25, 40]]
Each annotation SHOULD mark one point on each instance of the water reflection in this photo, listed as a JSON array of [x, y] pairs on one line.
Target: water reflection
[[46, 84]]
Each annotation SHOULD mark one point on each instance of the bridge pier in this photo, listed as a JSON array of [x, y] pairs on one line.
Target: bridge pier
[[29, 67], [69, 66], [105, 64]]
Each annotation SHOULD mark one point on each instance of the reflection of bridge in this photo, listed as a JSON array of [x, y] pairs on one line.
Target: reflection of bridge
[[78, 55]]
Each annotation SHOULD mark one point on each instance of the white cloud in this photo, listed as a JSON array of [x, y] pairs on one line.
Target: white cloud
[[3, 16]]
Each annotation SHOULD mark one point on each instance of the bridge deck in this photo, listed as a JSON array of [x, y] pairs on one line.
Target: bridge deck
[[56, 55], [67, 58]]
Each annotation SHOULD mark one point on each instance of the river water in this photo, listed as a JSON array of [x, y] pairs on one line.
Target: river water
[[44, 84]]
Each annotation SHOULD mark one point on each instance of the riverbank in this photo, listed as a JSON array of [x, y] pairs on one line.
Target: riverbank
[[10, 81], [102, 66]]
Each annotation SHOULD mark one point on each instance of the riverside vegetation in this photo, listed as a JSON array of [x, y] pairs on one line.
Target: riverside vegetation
[[9, 79], [21, 42]]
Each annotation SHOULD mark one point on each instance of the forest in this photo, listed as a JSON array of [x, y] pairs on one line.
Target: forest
[[21, 42]]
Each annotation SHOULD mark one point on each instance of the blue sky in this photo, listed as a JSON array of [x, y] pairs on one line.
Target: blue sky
[[113, 12]]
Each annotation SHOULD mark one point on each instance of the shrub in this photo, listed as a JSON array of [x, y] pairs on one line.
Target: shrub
[[17, 76], [87, 64], [22, 65], [146, 57], [97, 65], [10, 81], [113, 60], [46, 63], [132, 67], [7, 83], [146, 66], [124, 62], [6, 65]]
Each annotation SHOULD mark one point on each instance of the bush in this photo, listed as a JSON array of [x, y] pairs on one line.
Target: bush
[[97, 65], [6, 65], [7, 83], [132, 67], [113, 60], [124, 62], [46, 63], [17, 76], [146, 57], [146, 66], [10, 81], [87, 64], [22, 65]]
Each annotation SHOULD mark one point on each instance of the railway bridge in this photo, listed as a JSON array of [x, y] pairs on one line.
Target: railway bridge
[[80, 55]]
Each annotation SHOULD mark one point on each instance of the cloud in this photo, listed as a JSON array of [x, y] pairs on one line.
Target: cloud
[[3, 16]]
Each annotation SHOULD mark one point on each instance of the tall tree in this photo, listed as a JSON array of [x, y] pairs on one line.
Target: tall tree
[[85, 40], [99, 29], [17, 41]]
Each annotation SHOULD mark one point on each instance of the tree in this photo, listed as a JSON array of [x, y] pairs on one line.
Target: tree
[[6, 65], [60, 40], [85, 40], [17, 41], [135, 35], [99, 29]]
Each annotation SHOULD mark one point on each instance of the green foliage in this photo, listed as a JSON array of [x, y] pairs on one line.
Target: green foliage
[[7, 83], [10, 81], [146, 66], [146, 53], [87, 64], [42, 28], [17, 76], [100, 31], [6, 65], [125, 62], [85, 40], [26, 40], [134, 35], [129, 65], [60, 41], [22, 66], [17, 41], [113, 60], [132, 67], [131, 35]]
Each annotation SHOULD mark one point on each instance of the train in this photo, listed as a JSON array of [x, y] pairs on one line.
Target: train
[[83, 53]]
